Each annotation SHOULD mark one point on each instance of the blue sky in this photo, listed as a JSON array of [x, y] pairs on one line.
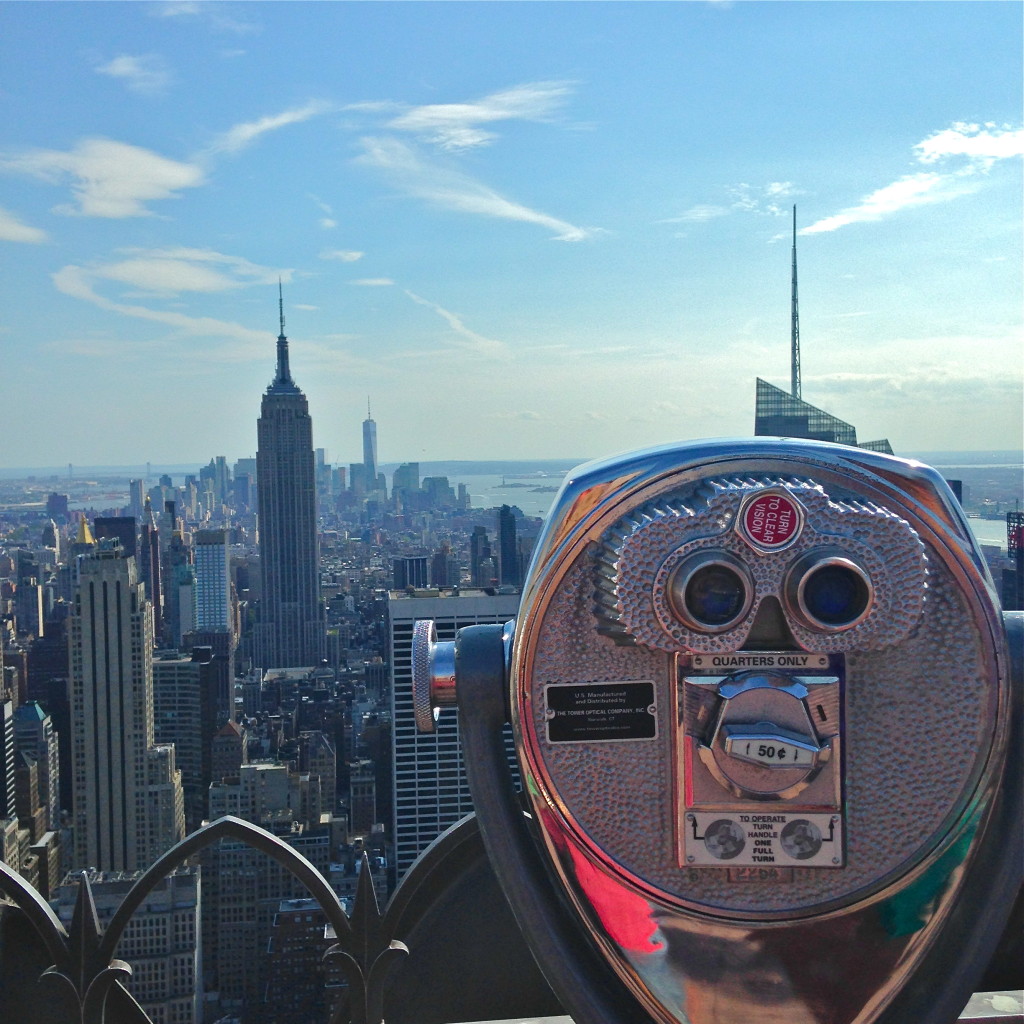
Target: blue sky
[[524, 230]]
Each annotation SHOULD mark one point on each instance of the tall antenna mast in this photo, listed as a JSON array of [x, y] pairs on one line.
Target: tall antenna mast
[[795, 325], [283, 373]]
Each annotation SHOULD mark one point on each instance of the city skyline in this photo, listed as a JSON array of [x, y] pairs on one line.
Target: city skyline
[[524, 231]]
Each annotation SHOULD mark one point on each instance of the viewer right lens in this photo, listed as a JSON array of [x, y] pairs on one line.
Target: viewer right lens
[[829, 592], [835, 595]]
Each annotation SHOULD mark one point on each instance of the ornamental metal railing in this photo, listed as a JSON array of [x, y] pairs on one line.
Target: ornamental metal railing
[[89, 977], [446, 948]]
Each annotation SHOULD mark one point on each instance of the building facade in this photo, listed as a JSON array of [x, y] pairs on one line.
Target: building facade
[[213, 580], [126, 791], [430, 788], [291, 629], [162, 941]]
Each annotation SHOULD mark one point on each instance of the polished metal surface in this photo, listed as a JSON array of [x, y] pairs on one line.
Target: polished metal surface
[[433, 675], [864, 843]]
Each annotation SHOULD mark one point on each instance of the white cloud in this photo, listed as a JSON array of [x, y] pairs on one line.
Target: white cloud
[[78, 282], [763, 199], [213, 13], [327, 223], [981, 145], [14, 230], [523, 415], [918, 189], [373, 282], [455, 126], [448, 188], [177, 270], [968, 150], [109, 179], [244, 134], [767, 200], [476, 342], [698, 214], [145, 74], [345, 255]]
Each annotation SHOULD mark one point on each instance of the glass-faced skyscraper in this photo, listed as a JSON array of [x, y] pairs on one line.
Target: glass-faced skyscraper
[[291, 628], [369, 451]]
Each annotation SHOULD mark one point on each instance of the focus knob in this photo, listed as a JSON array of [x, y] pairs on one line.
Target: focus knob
[[433, 674]]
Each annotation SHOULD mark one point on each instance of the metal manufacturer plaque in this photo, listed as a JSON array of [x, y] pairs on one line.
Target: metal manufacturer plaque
[[593, 712]]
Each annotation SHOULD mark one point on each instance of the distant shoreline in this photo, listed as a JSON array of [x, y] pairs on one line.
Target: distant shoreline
[[1002, 459]]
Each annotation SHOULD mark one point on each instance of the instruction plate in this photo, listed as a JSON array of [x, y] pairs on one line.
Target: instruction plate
[[791, 839]]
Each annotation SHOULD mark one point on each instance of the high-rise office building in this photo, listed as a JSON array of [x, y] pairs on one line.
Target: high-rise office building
[[291, 629], [431, 791], [480, 563], [127, 797], [508, 549], [409, 571], [161, 940], [779, 414], [7, 759], [122, 528], [35, 736], [369, 451], [185, 714], [149, 563], [213, 579]]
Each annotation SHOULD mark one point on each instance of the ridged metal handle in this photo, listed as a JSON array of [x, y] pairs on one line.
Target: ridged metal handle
[[433, 674]]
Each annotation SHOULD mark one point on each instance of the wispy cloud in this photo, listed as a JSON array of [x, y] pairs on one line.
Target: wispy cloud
[[983, 145], [109, 179], [764, 199], [698, 214], [767, 200], [79, 283], [146, 74], [246, 133], [14, 230], [175, 270], [447, 187], [373, 282], [456, 126], [116, 179], [327, 221], [345, 255], [414, 165], [476, 342], [919, 189], [968, 150], [521, 415], [213, 14]]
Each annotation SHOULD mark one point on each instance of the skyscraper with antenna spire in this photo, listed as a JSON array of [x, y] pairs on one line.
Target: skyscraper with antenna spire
[[369, 450], [290, 631], [781, 414], [794, 334]]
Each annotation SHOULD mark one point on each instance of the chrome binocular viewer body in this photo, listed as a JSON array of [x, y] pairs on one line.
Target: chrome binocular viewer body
[[761, 699]]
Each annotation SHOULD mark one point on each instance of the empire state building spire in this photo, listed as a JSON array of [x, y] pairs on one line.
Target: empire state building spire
[[283, 382]]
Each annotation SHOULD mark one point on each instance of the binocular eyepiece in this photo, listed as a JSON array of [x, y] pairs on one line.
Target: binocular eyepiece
[[761, 699]]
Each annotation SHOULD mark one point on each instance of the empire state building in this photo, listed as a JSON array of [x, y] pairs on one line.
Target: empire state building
[[291, 628]]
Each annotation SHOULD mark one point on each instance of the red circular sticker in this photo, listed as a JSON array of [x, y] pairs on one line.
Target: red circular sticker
[[772, 520]]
